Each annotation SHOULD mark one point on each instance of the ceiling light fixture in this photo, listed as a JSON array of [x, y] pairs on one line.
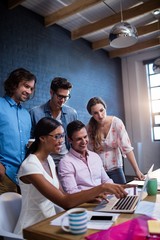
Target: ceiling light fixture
[[156, 12], [123, 34]]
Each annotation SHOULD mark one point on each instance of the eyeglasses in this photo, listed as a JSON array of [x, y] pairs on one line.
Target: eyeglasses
[[57, 137], [60, 97]]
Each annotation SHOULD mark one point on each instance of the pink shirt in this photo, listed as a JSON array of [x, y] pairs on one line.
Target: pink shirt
[[116, 144], [76, 174]]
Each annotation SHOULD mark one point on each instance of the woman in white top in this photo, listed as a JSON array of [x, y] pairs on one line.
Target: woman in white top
[[38, 181], [109, 138]]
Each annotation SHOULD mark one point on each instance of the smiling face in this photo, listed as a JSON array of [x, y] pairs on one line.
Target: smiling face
[[98, 112], [23, 91], [54, 140], [79, 141], [59, 98]]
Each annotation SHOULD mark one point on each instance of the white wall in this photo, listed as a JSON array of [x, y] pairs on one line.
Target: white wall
[[137, 112]]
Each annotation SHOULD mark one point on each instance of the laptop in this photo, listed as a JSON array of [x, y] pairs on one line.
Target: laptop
[[155, 174], [124, 205]]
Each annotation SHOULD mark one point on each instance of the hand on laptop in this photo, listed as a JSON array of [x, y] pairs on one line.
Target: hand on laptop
[[102, 197], [119, 189], [140, 175]]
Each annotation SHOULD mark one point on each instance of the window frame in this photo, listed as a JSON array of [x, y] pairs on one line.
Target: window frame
[[150, 73]]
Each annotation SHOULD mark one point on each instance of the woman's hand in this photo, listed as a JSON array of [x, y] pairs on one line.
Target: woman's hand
[[101, 197], [140, 175], [117, 189]]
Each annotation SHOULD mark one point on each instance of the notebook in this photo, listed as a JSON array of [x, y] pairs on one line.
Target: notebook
[[124, 205]]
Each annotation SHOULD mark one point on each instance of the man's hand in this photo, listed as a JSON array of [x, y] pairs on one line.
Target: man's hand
[[2, 172]]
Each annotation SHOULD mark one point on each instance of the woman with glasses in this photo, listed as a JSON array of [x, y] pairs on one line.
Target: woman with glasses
[[109, 138], [39, 183]]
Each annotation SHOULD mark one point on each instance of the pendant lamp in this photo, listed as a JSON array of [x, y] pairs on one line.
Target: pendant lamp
[[123, 34]]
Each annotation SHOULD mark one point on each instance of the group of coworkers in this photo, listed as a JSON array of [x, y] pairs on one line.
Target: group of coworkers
[[68, 163]]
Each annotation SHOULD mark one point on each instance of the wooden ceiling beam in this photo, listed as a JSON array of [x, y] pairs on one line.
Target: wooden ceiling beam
[[68, 11], [14, 3], [137, 47], [100, 43], [153, 27], [111, 20], [141, 31]]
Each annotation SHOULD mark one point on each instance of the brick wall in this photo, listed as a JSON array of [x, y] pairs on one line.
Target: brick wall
[[49, 52]]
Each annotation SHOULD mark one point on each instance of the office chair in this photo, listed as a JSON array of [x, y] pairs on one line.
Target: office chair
[[10, 206]]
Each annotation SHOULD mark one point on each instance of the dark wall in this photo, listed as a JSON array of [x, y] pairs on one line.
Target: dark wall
[[50, 52]]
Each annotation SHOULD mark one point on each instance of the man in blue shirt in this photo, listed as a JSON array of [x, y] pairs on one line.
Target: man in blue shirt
[[60, 92], [15, 126]]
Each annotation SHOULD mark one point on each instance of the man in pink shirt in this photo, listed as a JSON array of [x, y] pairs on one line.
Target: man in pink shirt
[[80, 168]]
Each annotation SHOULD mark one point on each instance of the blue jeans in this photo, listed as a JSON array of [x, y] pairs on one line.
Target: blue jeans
[[117, 175]]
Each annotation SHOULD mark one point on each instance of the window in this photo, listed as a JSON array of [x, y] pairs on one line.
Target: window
[[154, 90]]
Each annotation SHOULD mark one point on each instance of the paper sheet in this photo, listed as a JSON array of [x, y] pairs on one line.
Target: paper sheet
[[150, 209], [140, 183], [154, 174], [91, 224], [137, 182]]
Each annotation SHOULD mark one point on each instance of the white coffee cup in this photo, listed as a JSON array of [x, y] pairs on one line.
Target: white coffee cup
[[77, 218]]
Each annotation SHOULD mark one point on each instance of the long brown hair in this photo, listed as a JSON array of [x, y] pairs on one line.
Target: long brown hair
[[92, 127]]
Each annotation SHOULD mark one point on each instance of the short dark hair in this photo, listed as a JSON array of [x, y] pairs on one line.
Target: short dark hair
[[73, 127], [15, 77], [59, 82]]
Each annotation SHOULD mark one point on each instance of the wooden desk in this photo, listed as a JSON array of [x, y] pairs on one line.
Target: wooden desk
[[44, 231]]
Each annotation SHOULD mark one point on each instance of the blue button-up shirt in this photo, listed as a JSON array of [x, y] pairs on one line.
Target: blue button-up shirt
[[68, 115], [15, 127]]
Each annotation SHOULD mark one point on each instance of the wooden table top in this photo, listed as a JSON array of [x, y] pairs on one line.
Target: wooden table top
[[44, 231]]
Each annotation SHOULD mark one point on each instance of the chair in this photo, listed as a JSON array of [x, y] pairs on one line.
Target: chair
[[10, 206]]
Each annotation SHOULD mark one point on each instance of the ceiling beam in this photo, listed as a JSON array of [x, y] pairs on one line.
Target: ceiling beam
[[100, 43], [111, 20], [69, 10], [137, 47], [14, 3], [141, 31]]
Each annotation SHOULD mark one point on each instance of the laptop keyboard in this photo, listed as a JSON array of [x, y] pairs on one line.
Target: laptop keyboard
[[125, 203]]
